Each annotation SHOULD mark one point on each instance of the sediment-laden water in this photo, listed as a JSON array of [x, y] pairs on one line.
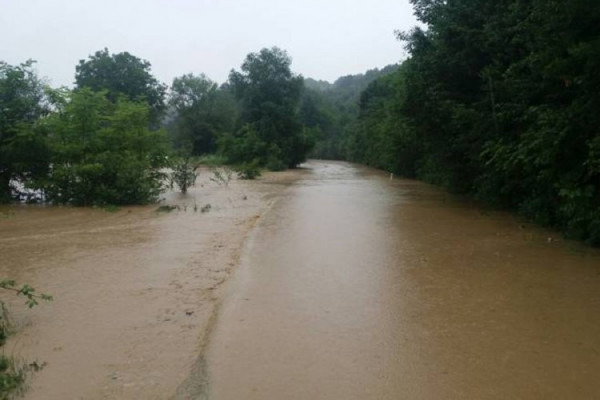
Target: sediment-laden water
[[135, 290], [355, 286]]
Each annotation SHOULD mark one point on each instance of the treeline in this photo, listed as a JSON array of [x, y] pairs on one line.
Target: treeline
[[330, 110], [499, 100], [109, 140]]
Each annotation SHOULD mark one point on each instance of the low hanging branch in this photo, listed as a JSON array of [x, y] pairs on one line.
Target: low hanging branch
[[25, 290]]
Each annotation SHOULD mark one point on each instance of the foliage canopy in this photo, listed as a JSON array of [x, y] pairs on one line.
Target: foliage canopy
[[499, 100], [201, 112], [22, 102], [122, 74], [103, 152], [269, 96]]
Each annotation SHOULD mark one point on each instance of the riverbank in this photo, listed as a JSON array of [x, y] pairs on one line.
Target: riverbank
[[135, 290]]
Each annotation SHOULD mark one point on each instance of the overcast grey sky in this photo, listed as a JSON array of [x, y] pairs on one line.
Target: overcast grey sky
[[325, 38]]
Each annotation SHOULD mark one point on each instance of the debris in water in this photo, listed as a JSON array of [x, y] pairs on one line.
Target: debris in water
[[166, 208]]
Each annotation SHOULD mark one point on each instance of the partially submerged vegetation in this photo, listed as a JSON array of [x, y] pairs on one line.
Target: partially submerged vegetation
[[496, 100], [101, 152], [13, 372], [499, 100], [109, 140], [221, 175], [184, 174]]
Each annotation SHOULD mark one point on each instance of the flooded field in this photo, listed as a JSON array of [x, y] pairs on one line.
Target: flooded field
[[135, 290], [358, 287]]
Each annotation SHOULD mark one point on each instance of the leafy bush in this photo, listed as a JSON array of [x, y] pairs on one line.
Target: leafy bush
[[249, 170], [245, 146], [12, 376], [275, 164], [221, 176], [183, 174], [212, 160], [274, 161], [103, 152]]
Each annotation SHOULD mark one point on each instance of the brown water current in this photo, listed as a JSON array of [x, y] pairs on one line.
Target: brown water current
[[355, 286], [135, 291]]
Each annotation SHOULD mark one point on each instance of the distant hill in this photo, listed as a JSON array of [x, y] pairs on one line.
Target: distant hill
[[331, 108], [320, 86], [350, 83]]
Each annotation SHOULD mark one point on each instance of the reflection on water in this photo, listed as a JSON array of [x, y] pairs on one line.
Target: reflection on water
[[356, 286]]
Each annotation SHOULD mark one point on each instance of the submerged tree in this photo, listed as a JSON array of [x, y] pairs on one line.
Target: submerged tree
[[103, 152]]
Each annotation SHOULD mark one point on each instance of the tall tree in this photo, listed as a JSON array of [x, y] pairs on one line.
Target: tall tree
[[269, 95], [22, 102], [122, 74], [202, 112]]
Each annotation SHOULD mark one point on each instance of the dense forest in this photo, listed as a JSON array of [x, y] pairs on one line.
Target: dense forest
[[498, 100]]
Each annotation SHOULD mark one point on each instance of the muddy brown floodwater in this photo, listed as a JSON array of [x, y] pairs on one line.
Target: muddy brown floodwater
[[135, 291], [354, 286]]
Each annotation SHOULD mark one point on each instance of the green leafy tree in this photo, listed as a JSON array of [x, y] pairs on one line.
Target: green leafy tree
[[504, 96], [381, 136], [103, 152], [269, 96], [202, 112], [23, 154], [122, 74]]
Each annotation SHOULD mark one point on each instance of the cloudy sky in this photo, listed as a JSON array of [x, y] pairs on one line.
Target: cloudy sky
[[325, 38]]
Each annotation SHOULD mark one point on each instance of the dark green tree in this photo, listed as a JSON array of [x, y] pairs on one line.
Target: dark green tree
[[381, 136], [269, 96], [23, 154], [504, 95], [103, 152], [122, 74], [201, 112]]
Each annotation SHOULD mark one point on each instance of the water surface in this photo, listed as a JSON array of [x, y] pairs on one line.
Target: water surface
[[355, 286]]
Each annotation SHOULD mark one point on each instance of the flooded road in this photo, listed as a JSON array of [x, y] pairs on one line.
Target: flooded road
[[354, 286]]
